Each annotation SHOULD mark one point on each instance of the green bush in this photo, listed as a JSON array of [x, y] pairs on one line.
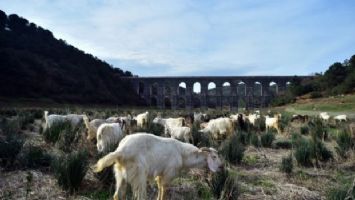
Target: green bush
[[303, 152], [286, 164], [244, 137], [304, 130], [344, 142], [231, 190], [201, 139], [232, 150], [255, 141], [341, 192], [282, 144], [34, 157], [217, 182], [69, 137], [321, 152], [267, 139], [70, 169], [52, 134], [10, 147]]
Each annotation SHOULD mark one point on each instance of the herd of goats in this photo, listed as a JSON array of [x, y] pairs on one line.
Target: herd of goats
[[143, 157]]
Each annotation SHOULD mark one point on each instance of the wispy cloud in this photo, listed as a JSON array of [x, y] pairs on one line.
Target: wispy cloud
[[183, 37]]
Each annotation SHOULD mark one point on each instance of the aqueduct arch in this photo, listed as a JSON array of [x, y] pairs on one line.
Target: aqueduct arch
[[183, 92]]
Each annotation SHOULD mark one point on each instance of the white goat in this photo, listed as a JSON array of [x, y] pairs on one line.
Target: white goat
[[109, 134], [142, 119], [92, 126], [169, 123], [145, 157], [219, 127], [252, 118], [181, 133], [324, 116], [73, 119], [272, 122], [341, 118]]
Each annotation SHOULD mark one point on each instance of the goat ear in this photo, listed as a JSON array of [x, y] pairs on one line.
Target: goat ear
[[206, 149]]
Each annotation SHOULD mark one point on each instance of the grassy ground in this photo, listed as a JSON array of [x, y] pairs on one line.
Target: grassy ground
[[258, 174], [333, 105]]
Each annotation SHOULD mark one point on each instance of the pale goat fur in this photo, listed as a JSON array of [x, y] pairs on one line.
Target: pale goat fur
[[169, 123], [181, 133], [219, 127], [92, 126], [341, 117], [143, 157], [108, 134], [73, 119], [142, 119], [324, 115], [272, 122]]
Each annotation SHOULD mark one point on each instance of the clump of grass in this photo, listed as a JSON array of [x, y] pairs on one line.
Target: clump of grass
[[203, 191], [344, 142], [282, 144], [70, 169], [345, 190], [34, 157], [231, 190], [255, 141], [321, 152], [52, 134], [286, 164], [303, 152], [10, 147], [304, 130], [201, 139], [217, 182], [232, 150], [267, 139], [244, 137]]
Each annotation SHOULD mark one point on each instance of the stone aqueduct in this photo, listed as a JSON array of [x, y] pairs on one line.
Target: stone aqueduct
[[241, 91]]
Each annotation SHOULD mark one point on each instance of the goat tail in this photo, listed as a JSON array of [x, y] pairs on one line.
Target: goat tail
[[106, 161]]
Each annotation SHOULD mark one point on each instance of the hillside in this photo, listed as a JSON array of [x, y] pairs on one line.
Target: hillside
[[35, 65]]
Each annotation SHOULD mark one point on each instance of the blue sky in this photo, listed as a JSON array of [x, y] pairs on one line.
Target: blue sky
[[202, 37]]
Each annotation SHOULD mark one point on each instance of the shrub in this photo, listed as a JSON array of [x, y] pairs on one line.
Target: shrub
[[70, 169], [217, 182], [255, 141], [344, 191], [286, 164], [201, 139], [317, 130], [344, 142], [282, 144], [303, 152], [304, 130], [34, 157], [233, 150], [68, 138], [231, 190], [10, 147], [260, 124], [53, 133], [244, 137], [267, 139], [321, 151]]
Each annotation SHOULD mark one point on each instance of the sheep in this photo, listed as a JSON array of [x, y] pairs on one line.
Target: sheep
[[142, 119], [272, 122], [73, 119], [92, 126], [324, 116], [340, 118], [109, 134], [169, 123], [143, 157], [181, 133], [219, 127]]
